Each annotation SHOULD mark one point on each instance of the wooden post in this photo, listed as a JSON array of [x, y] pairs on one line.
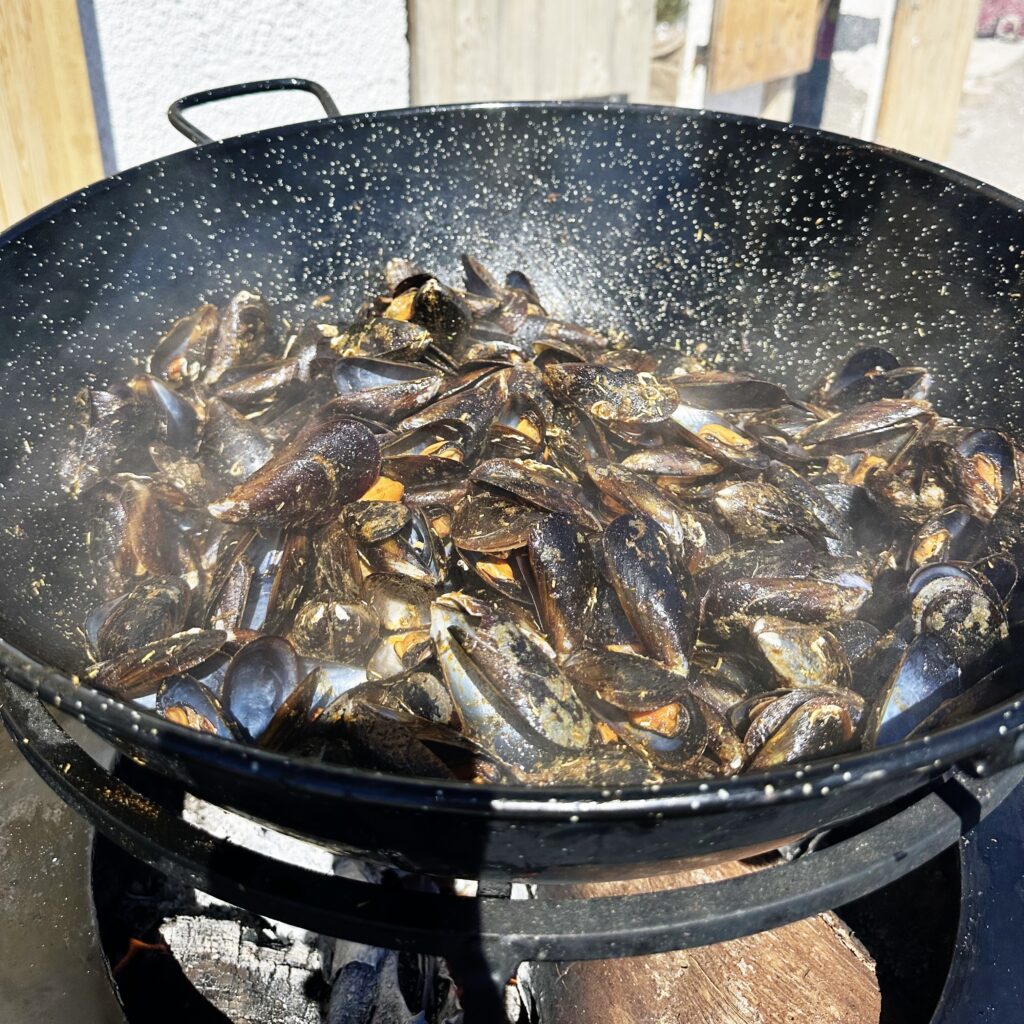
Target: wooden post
[[466, 50], [48, 140], [928, 50]]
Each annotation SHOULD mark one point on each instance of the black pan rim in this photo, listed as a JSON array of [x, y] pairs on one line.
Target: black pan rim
[[925, 757]]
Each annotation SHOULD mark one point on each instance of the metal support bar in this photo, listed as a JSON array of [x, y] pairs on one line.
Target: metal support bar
[[488, 930]]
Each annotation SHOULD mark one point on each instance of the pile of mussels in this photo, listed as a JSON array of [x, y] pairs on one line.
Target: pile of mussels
[[459, 537]]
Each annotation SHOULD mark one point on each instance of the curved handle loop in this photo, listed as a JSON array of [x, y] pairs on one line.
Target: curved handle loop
[[176, 116]]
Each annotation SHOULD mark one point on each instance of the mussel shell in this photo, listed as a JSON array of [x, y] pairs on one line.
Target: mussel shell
[[442, 313], [290, 579], [245, 327], [233, 447], [486, 716], [719, 437], [670, 737], [536, 484], [757, 509], [858, 639], [870, 418], [157, 607], [486, 522], [178, 422], [610, 395], [800, 655], [819, 727], [371, 521], [636, 493], [630, 682], [861, 364], [228, 608], [326, 466], [535, 691], [682, 463], [398, 653], [715, 389], [139, 672], [259, 679], [948, 535], [381, 389], [967, 618], [926, 676], [186, 701], [732, 604], [400, 603], [181, 354], [656, 593], [336, 561], [382, 336], [331, 629], [565, 579], [1001, 573]]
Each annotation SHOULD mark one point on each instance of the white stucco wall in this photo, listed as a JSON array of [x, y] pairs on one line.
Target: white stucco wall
[[145, 53]]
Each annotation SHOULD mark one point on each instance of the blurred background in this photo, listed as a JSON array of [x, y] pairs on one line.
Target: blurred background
[[84, 84]]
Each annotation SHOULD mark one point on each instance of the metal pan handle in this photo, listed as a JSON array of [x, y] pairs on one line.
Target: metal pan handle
[[176, 116]]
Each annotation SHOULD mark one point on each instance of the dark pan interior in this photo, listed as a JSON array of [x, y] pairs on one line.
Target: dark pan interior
[[780, 248]]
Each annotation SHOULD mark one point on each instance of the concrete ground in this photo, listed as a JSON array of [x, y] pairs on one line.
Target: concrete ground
[[989, 138]]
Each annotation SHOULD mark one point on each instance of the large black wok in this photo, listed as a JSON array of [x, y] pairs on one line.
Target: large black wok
[[781, 247]]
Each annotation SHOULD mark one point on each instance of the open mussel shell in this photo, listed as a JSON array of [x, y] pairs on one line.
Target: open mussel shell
[[671, 736], [631, 491], [862, 422], [949, 534], [156, 607], [372, 521], [182, 353], [537, 484], [382, 390], [717, 436], [487, 522], [246, 326], [716, 389], [417, 550], [518, 431], [982, 469], [259, 679], [530, 689], [398, 653], [186, 701], [178, 421], [401, 603], [927, 675], [139, 672]]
